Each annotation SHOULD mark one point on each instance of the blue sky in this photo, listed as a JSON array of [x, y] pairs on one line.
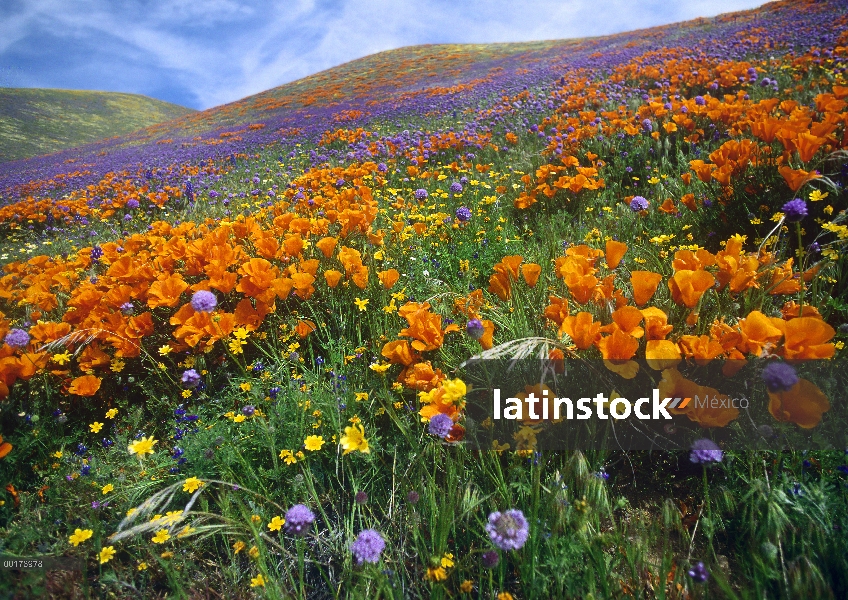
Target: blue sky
[[203, 53]]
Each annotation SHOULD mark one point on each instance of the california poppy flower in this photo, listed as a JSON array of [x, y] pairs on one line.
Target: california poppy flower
[[87, 385], [332, 277], [326, 245], [530, 272], [388, 278], [645, 285], [687, 287], [808, 337], [803, 404], [614, 253], [5, 447], [582, 329]]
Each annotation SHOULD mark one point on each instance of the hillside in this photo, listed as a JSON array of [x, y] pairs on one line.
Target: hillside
[[563, 319], [41, 121]]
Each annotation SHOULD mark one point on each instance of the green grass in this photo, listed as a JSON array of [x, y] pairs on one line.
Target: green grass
[[40, 121]]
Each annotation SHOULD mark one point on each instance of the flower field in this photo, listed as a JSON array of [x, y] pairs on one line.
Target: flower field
[[233, 343]]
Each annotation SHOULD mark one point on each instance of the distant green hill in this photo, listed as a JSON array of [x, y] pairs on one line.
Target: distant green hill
[[39, 121]]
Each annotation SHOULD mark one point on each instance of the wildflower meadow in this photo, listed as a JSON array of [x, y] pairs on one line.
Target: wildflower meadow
[[235, 345]]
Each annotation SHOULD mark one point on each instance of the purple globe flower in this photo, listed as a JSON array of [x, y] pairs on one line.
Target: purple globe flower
[[475, 329], [647, 125], [699, 100], [96, 253], [779, 376], [795, 210], [382, 167], [456, 187], [127, 308], [699, 573], [508, 530], [490, 559], [440, 425], [705, 451], [421, 194], [463, 214], [298, 520], [204, 301], [368, 546], [132, 203], [248, 410], [17, 338], [190, 378], [360, 498], [413, 497], [638, 204]]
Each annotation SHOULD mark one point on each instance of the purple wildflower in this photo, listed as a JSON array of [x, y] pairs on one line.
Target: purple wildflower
[[795, 210], [779, 376], [463, 213], [132, 203], [490, 559], [699, 573], [456, 187], [440, 425], [204, 301], [298, 520], [248, 410], [508, 530], [413, 497], [190, 378], [421, 194], [368, 546], [638, 204], [360, 498], [17, 338], [475, 329], [705, 451]]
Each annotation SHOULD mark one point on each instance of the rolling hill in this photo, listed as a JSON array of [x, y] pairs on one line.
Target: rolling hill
[[41, 121]]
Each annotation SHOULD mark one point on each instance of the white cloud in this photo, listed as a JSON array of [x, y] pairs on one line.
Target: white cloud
[[222, 50]]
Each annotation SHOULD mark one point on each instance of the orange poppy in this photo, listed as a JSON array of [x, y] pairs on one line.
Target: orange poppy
[[807, 145], [332, 277], [656, 323], [758, 332], [5, 447], [422, 377], [614, 253], [326, 245], [687, 287], [388, 278], [531, 272], [803, 404], [500, 286], [557, 310], [808, 337], [662, 354], [645, 285], [619, 346], [702, 348], [399, 352], [304, 327], [166, 292], [668, 207], [486, 340], [795, 178], [582, 329], [87, 385]]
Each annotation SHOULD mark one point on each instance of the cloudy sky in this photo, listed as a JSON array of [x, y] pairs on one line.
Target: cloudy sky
[[202, 53]]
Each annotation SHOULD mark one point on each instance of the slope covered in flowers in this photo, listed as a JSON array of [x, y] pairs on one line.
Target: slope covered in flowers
[[253, 319]]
